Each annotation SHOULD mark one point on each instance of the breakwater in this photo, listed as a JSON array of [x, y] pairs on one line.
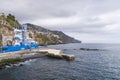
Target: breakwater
[[11, 57]]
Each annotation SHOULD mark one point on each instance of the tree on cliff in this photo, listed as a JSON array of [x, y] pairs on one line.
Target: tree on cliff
[[12, 21], [11, 17]]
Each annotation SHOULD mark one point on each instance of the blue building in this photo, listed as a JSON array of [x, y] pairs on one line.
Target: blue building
[[21, 41]]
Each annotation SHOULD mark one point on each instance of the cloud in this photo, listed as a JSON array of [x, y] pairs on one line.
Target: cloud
[[86, 20], [63, 21]]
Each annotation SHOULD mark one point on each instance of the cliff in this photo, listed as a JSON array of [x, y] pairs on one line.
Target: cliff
[[38, 33], [7, 24], [52, 37]]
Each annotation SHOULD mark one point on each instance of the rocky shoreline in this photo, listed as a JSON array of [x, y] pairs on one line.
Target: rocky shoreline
[[13, 58]]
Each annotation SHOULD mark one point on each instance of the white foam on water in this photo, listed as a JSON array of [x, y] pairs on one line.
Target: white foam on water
[[28, 62]]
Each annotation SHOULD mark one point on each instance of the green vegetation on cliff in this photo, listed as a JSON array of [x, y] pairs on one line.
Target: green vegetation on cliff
[[9, 20], [44, 39], [12, 21]]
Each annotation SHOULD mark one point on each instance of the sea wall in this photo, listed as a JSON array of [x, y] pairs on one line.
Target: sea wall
[[34, 53]]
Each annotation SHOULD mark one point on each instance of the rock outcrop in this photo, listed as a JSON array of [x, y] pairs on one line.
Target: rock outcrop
[[7, 24], [52, 37]]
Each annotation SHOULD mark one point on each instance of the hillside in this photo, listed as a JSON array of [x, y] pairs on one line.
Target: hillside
[[7, 23], [53, 37], [38, 33]]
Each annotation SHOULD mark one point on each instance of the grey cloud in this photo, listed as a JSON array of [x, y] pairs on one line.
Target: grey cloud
[[88, 11]]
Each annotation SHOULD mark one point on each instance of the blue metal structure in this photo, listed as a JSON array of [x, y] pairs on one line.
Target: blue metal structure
[[24, 28], [23, 45]]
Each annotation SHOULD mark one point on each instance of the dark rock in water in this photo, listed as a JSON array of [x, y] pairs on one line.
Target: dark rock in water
[[74, 49], [21, 65], [64, 49], [2, 66], [8, 62], [88, 49]]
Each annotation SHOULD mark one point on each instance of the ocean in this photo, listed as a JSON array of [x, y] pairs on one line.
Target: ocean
[[102, 64]]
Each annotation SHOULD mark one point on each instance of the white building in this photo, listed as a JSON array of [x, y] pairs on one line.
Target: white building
[[19, 35]]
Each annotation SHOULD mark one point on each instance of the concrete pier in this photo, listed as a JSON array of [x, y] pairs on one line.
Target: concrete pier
[[23, 55], [53, 53], [68, 57]]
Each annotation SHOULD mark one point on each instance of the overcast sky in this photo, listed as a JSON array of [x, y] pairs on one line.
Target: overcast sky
[[91, 21]]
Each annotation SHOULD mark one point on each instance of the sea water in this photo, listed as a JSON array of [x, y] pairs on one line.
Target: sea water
[[102, 64]]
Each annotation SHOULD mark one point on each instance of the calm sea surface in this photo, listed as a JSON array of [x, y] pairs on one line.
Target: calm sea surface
[[88, 65]]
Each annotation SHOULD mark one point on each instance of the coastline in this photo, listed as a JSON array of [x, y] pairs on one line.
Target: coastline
[[11, 58]]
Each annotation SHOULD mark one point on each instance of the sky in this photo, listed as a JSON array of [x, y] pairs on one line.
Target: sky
[[91, 21]]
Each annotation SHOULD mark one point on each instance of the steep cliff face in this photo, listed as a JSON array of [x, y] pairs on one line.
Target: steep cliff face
[[65, 38], [6, 29], [53, 37], [6, 35]]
